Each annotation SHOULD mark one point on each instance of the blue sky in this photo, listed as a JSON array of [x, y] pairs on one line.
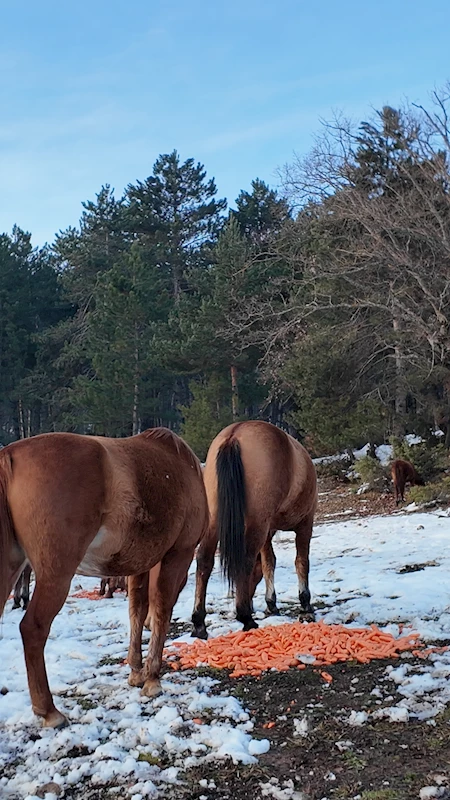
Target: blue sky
[[92, 92]]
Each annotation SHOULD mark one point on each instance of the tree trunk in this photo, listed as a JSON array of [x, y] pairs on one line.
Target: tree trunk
[[21, 421], [444, 423], [176, 287], [135, 428], [234, 393], [400, 393]]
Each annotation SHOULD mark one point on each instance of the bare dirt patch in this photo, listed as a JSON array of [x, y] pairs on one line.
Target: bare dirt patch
[[377, 761], [340, 501]]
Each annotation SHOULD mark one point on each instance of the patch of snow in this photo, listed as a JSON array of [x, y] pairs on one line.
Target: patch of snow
[[411, 438], [301, 727], [343, 745], [427, 792], [384, 453], [357, 718], [115, 734]]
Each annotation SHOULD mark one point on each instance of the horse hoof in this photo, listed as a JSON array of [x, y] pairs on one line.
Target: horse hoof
[[250, 625], [55, 720], [151, 689], [199, 633], [136, 678], [273, 612]]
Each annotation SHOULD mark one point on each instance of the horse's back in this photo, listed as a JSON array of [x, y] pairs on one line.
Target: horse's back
[[280, 478]]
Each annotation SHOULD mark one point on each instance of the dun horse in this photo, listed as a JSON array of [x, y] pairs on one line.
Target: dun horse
[[403, 472], [95, 506], [22, 589], [258, 480]]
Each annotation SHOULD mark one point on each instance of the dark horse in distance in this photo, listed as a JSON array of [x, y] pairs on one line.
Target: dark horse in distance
[[403, 472]]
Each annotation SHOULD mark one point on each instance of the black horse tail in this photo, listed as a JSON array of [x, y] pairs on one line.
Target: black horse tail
[[231, 511]]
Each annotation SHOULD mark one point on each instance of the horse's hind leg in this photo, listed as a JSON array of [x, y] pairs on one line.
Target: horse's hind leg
[[138, 609], [25, 590], [303, 533], [152, 582], [268, 567], [18, 592], [48, 598], [254, 542], [17, 559], [169, 583], [255, 578], [205, 563]]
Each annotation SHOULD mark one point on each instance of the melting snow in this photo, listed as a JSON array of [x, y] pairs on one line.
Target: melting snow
[[115, 734]]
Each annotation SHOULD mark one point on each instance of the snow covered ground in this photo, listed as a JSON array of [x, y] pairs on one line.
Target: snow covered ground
[[393, 571]]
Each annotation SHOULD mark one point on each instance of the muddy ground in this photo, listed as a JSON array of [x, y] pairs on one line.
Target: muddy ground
[[340, 500], [379, 760]]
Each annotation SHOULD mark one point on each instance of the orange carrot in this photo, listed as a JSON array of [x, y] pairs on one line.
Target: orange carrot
[[277, 647]]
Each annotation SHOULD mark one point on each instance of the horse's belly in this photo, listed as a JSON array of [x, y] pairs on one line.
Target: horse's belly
[[98, 554]]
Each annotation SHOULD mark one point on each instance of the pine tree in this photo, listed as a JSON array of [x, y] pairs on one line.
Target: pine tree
[[261, 214], [206, 340], [87, 252], [130, 303], [175, 214], [30, 302]]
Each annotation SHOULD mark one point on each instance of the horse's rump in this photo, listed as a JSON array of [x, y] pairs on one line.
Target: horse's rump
[[403, 471], [279, 477], [179, 446]]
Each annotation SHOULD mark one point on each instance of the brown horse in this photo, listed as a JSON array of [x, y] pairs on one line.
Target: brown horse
[[114, 584], [95, 506], [22, 589], [403, 472], [258, 480]]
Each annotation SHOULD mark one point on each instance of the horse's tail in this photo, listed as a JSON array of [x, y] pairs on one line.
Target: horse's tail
[[7, 538], [231, 510]]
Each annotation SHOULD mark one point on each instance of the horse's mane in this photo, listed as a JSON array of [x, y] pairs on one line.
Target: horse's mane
[[179, 445]]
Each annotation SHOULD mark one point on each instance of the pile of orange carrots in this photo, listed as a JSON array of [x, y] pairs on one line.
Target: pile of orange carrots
[[85, 594], [288, 645]]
